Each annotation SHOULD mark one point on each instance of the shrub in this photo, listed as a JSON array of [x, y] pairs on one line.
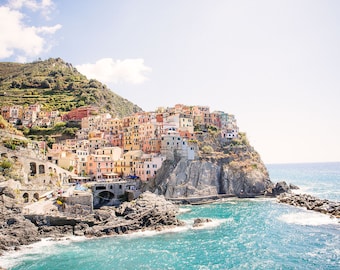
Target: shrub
[[207, 149], [5, 165]]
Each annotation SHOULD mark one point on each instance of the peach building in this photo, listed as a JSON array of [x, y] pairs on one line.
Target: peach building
[[97, 165]]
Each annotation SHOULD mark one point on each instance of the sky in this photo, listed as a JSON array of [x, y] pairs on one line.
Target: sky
[[274, 64]]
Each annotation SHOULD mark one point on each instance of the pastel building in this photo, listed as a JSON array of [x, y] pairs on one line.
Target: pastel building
[[127, 164], [148, 166], [81, 162], [114, 152], [98, 165], [186, 123], [173, 144]]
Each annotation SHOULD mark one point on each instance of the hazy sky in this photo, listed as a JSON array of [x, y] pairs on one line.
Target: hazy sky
[[274, 64]]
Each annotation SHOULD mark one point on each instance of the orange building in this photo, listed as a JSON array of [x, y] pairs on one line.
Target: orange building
[[79, 113]]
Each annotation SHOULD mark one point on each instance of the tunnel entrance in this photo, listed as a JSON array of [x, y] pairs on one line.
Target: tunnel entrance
[[104, 198]]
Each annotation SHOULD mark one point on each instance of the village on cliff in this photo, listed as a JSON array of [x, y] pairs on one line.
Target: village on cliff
[[65, 190], [116, 155]]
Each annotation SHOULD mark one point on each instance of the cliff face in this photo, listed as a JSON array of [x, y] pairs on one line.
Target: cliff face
[[232, 170]]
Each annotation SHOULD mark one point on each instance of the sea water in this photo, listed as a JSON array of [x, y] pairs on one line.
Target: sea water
[[243, 234]]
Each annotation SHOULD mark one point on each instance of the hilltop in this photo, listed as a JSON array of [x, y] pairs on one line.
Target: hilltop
[[57, 85]]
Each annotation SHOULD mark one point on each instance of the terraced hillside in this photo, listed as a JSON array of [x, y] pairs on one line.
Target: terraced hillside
[[57, 86]]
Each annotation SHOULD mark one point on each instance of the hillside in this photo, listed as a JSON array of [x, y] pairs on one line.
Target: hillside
[[57, 86]]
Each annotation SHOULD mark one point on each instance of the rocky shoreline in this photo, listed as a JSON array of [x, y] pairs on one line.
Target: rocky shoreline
[[147, 212], [311, 203]]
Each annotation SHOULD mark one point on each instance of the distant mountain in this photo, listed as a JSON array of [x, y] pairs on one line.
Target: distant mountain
[[57, 85]]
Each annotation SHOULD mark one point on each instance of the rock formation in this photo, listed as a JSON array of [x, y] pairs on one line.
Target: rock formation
[[148, 211], [311, 203], [232, 169], [199, 222]]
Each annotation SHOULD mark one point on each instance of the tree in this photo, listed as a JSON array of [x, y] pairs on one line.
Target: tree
[[45, 84]]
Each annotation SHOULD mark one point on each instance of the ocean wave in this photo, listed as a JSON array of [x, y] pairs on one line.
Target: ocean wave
[[150, 233], [46, 247], [210, 224], [308, 218], [184, 210]]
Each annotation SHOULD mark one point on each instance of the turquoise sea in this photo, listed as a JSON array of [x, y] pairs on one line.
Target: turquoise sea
[[244, 234]]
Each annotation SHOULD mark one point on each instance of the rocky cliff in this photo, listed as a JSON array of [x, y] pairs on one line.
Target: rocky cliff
[[230, 168]]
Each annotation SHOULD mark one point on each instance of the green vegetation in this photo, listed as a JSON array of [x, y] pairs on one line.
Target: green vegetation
[[57, 86], [207, 149], [5, 166], [14, 143], [65, 130], [241, 140]]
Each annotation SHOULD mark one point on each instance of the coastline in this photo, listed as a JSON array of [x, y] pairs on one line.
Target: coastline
[[151, 213], [13, 255], [10, 258]]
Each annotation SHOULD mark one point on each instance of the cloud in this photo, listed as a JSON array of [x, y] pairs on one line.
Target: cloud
[[108, 70], [45, 7], [47, 29], [18, 39]]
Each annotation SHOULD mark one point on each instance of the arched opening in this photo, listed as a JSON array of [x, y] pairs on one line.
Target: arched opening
[[26, 197], [36, 196], [4, 155], [33, 168], [105, 197], [41, 169]]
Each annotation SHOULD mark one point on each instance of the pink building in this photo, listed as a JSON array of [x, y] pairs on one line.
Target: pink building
[[97, 165]]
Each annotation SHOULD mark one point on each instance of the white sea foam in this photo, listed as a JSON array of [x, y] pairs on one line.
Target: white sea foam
[[184, 210], [150, 233], [46, 246], [308, 218], [210, 224]]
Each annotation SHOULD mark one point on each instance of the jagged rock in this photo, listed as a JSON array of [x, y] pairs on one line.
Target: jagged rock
[[5, 190], [200, 221], [311, 203], [149, 211], [281, 187], [292, 186], [104, 214], [79, 229], [17, 231]]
